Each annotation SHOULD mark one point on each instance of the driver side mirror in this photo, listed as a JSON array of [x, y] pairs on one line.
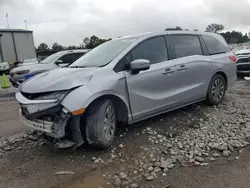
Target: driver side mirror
[[58, 62], [139, 65]]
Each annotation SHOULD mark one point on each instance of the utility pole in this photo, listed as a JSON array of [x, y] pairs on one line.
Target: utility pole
[[7, 21], [25, 22]]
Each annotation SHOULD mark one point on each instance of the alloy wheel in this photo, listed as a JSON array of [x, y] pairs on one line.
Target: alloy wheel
[[218, 89], [109, 123]]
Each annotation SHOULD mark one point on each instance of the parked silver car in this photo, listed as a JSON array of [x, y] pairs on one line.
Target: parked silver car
[[4, 67], [127, 80], [57, 60]]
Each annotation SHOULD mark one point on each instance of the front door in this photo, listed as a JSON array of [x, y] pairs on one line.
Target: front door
[[151, 91]]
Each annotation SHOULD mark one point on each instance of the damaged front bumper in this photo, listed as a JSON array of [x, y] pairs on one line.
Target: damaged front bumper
[[50, 117], [54, 128]]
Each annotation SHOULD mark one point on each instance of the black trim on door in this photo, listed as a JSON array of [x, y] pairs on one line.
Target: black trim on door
[[171, 54], [203, 46]]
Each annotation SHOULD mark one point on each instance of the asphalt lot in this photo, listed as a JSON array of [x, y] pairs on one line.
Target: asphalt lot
[[28, 160], [9, 118]]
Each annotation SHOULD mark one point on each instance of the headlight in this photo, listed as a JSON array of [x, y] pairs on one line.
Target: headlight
[[55, 95], [34, 108], [22, 72], [37, 107]]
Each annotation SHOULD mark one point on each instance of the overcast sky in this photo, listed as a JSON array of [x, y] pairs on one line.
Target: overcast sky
[[69, 21]]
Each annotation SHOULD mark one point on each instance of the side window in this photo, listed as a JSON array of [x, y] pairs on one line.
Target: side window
[[186, 45], [215, 46], [70, 58], [154, 50]]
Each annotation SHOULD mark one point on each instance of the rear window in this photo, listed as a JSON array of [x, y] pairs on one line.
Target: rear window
[[186, 45], [215, 46]]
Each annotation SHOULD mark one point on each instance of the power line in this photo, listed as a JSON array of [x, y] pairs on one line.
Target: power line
[[25, 22], [7, 21]]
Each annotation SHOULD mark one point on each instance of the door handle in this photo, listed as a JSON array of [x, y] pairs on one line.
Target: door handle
[[182, 67], [168, 71]]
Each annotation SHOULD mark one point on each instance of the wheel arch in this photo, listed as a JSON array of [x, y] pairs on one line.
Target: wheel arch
[[223, 74], [121, 108]]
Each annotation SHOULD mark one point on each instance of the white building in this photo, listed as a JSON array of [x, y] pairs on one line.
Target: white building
[[16, 45]]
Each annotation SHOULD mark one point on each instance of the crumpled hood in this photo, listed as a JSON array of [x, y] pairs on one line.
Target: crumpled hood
[[57, 79], [32, 68]]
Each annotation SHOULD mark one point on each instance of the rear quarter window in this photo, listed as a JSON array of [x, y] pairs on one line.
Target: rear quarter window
[[215, 46], [186, 45]]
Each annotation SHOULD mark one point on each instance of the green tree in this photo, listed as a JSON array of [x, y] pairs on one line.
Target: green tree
[[57, 47], [93, 42], [73, 47], [235, 37], [215, 28], [172, 29], [42, 47]]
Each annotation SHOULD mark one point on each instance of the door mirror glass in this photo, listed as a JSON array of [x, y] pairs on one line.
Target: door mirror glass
[[139, 65]]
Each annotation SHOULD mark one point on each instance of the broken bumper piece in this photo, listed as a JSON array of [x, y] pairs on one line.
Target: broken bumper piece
[[52, 124], [50, 117], [40, 125]]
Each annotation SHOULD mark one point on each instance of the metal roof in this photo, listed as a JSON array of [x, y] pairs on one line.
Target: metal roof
[[15, 31]]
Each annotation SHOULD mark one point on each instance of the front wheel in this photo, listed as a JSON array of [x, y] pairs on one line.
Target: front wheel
[[216, 90], [101, 124]]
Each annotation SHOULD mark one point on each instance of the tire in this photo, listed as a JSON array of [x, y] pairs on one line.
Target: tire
[[216, 90], [97, 131]]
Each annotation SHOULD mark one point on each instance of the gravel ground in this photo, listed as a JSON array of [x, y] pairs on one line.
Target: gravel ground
[[196, 146]]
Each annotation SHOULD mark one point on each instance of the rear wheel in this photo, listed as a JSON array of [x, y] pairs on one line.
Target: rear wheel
[[101, 124], [216, 90]]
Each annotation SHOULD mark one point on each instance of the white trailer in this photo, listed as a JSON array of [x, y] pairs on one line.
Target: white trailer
[[16, 45]]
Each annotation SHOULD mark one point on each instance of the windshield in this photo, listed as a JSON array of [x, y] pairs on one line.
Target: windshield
[[52, 58], [103, 54]]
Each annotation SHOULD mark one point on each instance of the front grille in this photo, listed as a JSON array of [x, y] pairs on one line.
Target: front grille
[[243, 60], [31, 96], [243, 67]]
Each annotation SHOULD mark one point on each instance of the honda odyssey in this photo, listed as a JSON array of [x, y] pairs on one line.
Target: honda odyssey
[[127, 80]]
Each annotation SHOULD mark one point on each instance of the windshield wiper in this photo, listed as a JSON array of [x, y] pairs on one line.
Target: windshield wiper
[[77, 67], [106, 64]]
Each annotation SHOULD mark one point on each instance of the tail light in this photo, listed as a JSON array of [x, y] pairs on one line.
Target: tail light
[[233, 58]]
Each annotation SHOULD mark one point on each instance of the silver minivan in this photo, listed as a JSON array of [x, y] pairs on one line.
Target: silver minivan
[[127, 80]]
